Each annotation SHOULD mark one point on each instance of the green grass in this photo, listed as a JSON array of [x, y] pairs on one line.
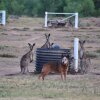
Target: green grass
[[30, 86]]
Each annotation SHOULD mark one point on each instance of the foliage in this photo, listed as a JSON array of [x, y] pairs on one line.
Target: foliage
[[38, 7], [84, 7], [88, 7]]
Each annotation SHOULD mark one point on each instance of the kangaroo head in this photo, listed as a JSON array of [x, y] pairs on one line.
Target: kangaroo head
[[31, 46], [81, 42], [51, 45], [47, 37]]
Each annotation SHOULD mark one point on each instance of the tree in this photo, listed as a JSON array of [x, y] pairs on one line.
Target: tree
[[84, 7], [97, 7], [97, 4], [38, 7], [88, 8], [2, 5], [17, 8], [31, 7], [51, 6]]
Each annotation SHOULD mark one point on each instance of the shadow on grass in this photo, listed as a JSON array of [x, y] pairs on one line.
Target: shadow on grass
[[95, 73], [20, 74]]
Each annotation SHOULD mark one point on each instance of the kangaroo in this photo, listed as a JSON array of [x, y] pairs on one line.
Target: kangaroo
[[58, 66], [84, 60], [82, 50], [47, 44], [26, 59]]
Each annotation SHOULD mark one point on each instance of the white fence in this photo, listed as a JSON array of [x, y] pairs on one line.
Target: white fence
[[70, 15], [2, 17]]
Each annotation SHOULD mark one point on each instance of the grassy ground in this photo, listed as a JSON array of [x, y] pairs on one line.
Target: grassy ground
[[30, 88]]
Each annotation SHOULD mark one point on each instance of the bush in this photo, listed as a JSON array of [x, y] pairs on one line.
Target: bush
[[97, 13], [38, 7]]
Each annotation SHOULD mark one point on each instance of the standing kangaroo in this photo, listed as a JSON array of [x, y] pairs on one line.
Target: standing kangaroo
[[47, 43], [26, 59], [82, 50], [84, 60]]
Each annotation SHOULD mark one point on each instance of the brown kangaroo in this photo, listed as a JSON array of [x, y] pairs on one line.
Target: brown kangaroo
[[58, 67]]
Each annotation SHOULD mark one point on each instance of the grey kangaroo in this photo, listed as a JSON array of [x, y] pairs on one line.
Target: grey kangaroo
[[26, 59], [84, 59], [47, 43], [82, 50]]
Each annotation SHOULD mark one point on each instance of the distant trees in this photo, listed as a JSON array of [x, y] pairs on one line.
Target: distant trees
[[97, 7], [38, 7], [84, 7], [51, 6]]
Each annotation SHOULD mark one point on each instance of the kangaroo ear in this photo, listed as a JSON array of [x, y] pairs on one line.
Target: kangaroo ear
[[49, 35], [84, 41], [33, 44], [46, 36], [79, 41], [52, 44], [31, 48], [29, 44]]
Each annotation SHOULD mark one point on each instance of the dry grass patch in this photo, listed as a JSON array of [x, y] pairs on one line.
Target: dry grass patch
[[41, 29], [92, 55], [8, 55], [30, 86], [98, 51]]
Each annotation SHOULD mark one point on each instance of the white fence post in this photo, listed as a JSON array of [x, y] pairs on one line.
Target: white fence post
[[46, 18], [76, 20], [76, 41], [3, 17]]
